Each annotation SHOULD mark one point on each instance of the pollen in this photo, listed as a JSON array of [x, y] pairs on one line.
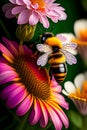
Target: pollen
[[83, 35], [84, 89], [41, 4], [36, 84]]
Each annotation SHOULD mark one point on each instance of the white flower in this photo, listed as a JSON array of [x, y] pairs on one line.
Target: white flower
[[77, 92]]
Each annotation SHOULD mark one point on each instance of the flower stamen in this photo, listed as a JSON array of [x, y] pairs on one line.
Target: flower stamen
[[83, 35], [41, 4], [35, 86]]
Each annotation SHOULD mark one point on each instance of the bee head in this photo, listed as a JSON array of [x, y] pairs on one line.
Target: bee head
[[45, 36], [54, 42]]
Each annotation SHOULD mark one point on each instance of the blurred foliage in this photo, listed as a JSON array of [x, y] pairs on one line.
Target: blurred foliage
[[84, 4], [74, 10]]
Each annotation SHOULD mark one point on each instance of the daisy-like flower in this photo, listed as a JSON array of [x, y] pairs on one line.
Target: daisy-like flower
[[34, 11], [80, 29], [28, 87], [77, 92]]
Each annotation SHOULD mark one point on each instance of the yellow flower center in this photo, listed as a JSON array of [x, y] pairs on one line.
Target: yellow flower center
[[83, 35], [82, 38], [36, 81], [80, 94], [84, 89], [41, 4]]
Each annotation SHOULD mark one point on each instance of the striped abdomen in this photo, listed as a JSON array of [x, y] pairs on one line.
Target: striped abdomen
[[58, 66]]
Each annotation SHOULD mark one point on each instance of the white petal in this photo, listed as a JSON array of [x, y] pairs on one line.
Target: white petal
[[69, 87], [64, 92], [79, 80], [80, 25]]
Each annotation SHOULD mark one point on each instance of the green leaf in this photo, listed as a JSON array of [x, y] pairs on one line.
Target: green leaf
[[75, 118]]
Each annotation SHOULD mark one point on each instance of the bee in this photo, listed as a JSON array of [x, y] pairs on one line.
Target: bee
[[56, 52]]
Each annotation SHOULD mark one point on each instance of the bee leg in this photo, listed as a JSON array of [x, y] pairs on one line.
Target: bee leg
[[50, 73], [39, 67], [35, 55]]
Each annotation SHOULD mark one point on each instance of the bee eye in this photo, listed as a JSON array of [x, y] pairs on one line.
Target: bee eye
[[45, 36], [55, 49]]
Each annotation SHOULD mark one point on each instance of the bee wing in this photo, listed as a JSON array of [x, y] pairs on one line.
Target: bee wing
[[70, 58], [44, 48], [70, 47], [42, 60], [61, 37]]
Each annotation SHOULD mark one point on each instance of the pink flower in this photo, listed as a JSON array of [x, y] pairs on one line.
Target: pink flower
[[29, 88], [34, 11]]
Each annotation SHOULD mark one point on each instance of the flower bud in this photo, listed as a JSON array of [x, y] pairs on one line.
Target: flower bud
[[25, 32]]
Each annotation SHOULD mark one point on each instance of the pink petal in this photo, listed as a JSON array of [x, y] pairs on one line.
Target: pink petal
[[17, 9], [54, 19], [2, 60], [27, 51], [10, 46], [19, 2], [35, 6], [52, 13], [51, 1], [44, 21], [7, 76], [7, 43], [15, 44], [16, 96], [55, 86], [63, 15], [33, 19], [5, 92], [4, 67], [8, 14], [13, 1], [7, 7], [6, 51], [55, 119], [27, 2], [64, 118], [23, 17], [24, 106], [35, 113], [61, 101], [44, 117]]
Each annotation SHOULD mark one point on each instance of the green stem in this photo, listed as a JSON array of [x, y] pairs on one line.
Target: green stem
[[84, 127], [5, 29], [21, 42]]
